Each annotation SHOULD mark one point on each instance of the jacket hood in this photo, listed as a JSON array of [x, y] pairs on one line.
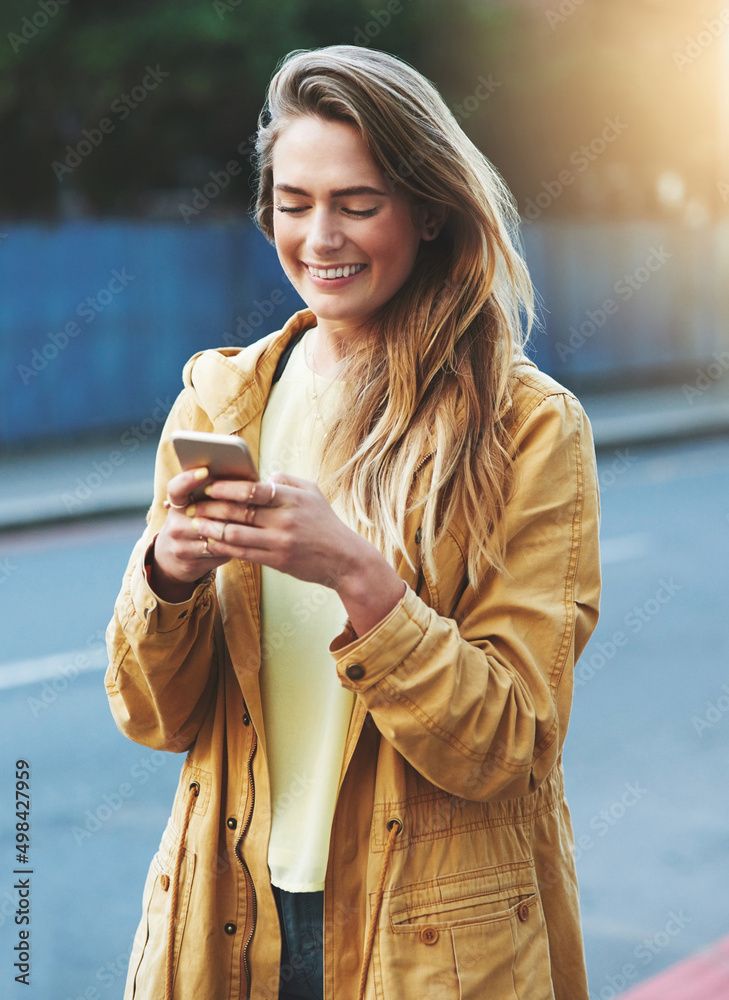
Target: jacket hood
[[231, 384]]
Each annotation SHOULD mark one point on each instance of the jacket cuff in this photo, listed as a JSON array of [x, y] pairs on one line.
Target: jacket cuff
[[156, 614], [362, 662]]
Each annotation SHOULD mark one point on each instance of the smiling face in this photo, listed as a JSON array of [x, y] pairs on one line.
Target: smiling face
[[346, 241]]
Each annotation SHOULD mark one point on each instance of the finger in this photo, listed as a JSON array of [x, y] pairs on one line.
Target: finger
[[260, 494], [229, 540], [181, 486]]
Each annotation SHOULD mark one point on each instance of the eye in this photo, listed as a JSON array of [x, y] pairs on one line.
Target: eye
[[288, 208], [367, 214]]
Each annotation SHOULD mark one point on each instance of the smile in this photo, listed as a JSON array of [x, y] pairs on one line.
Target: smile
[[345, 271]]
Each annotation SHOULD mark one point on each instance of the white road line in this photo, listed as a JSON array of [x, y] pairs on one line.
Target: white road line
[[66, 666]]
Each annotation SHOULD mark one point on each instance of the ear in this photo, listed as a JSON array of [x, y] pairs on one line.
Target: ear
[[433, 218]]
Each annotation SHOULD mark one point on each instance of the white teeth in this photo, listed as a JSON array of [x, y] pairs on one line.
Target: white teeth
[[336, 272]]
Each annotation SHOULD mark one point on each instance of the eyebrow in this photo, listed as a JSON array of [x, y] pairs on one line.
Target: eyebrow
[[339, 193]]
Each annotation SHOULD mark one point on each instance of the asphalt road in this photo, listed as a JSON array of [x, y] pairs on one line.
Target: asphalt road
[[646, 759]]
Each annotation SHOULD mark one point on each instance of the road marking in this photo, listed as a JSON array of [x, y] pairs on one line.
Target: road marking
[[46, 668], [623, 548]]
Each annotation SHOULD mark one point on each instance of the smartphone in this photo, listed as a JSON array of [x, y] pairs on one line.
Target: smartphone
[[224, 455]]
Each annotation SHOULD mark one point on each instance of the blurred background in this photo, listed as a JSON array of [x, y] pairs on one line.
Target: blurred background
[[126, 245]]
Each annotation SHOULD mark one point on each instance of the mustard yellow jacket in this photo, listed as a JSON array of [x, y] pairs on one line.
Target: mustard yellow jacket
[[451, 871]]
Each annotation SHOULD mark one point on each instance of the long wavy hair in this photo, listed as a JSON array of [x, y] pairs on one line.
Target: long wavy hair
[[430, 386]]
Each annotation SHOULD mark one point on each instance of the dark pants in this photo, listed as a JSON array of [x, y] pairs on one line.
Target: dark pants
[[301, 915]]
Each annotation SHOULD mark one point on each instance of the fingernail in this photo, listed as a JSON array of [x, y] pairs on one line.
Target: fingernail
[[200, 473], [196, 525], [208, 491], [191, 511]]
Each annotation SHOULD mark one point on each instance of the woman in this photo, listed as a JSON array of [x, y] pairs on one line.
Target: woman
[[368, 654]]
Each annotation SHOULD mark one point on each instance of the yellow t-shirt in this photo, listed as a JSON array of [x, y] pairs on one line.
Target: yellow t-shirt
[[306, 711]]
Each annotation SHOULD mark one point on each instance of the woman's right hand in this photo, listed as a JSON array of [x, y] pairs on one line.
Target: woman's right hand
[[180, 557]]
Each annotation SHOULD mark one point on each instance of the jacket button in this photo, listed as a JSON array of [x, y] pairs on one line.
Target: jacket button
[[164, 882], [429, 935], [230, 928], [232, 822], [523, 912], [246, 719], [355, 671]]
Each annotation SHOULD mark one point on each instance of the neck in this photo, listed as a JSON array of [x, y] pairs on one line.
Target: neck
[[325, 350]]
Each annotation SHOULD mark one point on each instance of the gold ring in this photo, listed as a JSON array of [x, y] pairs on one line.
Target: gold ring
[[273, 494], [177, 506], [252, 493], [222, 537], [249, 515], [206, 551]]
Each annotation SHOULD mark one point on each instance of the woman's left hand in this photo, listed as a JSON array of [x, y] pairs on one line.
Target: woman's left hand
[[287, 523]]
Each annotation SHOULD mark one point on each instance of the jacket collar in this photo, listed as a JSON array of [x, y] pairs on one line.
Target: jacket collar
[[231, 384]]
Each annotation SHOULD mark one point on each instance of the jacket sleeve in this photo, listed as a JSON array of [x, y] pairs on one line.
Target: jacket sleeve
[[161, 656], [478, 702]]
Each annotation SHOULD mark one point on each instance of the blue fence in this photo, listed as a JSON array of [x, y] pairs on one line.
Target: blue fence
[[98, 318]]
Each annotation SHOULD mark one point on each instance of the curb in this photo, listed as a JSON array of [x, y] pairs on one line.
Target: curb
[[618, 421]]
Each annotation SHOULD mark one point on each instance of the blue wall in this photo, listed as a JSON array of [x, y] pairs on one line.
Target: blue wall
[[140, 300], [98, 318]]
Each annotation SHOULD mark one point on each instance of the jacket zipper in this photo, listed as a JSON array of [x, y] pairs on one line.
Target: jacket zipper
[[245, 968]]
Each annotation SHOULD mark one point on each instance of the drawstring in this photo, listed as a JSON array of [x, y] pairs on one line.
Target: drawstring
[[195, 789], [394, 826]]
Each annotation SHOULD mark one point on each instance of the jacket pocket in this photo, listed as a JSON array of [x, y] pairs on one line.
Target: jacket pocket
[[148, 960], [466, 937]]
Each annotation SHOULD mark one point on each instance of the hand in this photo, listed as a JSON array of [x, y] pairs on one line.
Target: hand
[[285, 523], [181, 555], [288, 525]]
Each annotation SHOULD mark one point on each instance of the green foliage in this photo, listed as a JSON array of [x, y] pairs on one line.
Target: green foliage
[[65, 68]]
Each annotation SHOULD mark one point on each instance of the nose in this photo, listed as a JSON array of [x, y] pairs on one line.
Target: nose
[[325, 234]]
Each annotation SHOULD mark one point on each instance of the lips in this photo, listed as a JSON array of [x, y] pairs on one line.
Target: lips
[[330, 273]]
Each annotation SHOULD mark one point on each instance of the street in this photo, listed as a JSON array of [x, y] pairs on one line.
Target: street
[[645, 761]]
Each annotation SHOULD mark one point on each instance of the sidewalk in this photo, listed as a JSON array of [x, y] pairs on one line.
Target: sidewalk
[[109, 478]]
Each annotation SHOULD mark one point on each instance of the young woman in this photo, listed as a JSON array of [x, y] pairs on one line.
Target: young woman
[[368, 654]]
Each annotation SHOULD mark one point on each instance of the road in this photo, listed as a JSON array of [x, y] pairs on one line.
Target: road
[[646, 758]]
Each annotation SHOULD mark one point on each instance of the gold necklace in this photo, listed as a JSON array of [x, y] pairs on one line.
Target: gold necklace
[[318, 418]]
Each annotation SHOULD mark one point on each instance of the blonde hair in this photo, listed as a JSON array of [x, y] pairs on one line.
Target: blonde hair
[[431, 385]]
